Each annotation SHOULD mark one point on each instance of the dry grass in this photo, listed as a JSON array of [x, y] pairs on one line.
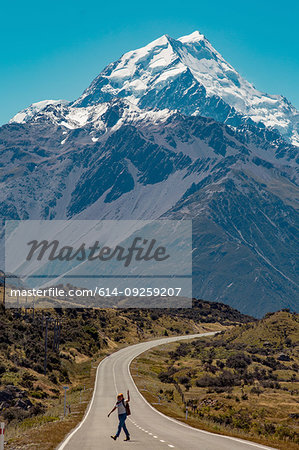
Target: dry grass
[[45, 432], [271, 406]]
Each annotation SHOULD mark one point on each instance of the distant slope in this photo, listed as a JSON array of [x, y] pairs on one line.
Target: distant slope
[[276, 331]]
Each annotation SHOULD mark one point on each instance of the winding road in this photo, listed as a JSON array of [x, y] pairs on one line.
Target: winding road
[[149, 428]]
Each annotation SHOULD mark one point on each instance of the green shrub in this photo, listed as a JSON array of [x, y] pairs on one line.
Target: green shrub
[[238, 361]]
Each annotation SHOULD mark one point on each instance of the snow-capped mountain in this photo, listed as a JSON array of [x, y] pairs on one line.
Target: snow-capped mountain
[[188, 74], [111, 155], [26, 114]]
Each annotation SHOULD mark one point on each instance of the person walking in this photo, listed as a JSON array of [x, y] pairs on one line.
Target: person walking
[[122, 406]]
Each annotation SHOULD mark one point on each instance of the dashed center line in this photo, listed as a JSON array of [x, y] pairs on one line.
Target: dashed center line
[[150, 434]]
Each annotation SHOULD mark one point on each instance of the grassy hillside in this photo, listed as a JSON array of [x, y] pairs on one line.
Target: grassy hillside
[[30, 400], [242, 382]]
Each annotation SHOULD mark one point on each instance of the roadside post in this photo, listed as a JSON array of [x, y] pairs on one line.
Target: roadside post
[[186, 412], [2, 430], [46, 346], [64, 407], [3, 296]]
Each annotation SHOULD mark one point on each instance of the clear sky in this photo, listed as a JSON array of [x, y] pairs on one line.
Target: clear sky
[[53, 49]]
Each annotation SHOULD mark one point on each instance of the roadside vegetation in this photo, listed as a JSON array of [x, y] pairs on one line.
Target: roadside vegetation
[[31, 402], [242, 382]]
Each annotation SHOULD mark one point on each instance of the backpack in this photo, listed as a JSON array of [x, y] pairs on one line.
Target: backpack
[[127, 406]]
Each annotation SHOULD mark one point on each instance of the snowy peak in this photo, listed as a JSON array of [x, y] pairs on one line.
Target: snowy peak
[[116, 111], [153, 65], [145, 77], [28, 113], [193, 37], [188, 75], [198, 45]]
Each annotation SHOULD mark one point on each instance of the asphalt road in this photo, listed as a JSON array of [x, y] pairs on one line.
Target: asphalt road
[[149, 428]]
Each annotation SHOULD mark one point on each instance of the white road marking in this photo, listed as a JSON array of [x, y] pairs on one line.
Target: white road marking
[[64, 443], [151, 434]]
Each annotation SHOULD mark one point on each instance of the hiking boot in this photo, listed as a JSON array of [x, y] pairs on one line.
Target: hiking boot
[[114, 437], [127, 438]]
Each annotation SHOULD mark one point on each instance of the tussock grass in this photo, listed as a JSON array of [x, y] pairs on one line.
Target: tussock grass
[[259, 402]]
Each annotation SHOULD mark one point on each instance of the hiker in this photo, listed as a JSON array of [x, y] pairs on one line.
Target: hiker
[[123, 408]]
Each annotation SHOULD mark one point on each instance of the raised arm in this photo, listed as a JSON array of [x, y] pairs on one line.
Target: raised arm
[[112, 410], [128, 396]]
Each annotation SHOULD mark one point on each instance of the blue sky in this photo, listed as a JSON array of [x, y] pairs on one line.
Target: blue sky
[[53, 49]]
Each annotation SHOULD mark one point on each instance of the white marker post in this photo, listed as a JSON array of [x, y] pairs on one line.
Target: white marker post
[[2, 430], [186, 412], [64, 408]]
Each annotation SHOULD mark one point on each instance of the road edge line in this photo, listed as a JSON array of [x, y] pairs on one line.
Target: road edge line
[[72, 432]]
